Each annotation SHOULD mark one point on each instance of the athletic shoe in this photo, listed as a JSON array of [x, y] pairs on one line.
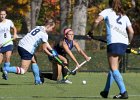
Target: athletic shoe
[[5, 74], [104, 94], [64, 81], [38, 82], [67, 81], [121, 96]]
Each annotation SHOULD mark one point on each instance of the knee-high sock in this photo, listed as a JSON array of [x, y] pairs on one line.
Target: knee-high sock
[[11, 69], [6, 64], [119, 80], [36, 72], [109, 81]]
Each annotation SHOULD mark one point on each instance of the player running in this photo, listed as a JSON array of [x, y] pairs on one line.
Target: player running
[[64, 48], [26, 48], [5, 35], [117, 24]]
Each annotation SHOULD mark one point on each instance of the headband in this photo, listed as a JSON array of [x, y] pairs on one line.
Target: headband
[[67, 30]]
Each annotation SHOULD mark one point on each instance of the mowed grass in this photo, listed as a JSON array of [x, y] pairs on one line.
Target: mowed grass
[[21, 87]]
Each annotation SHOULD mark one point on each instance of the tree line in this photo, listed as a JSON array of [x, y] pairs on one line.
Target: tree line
[[77, 14]]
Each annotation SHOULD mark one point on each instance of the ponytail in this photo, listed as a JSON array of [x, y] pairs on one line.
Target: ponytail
[[116, 5]]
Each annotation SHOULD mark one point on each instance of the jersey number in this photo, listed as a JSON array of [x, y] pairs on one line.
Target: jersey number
[[118, 20], [5, 35], [35, 32]]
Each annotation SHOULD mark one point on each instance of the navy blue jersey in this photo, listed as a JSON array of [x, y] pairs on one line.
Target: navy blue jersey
[[60, 50]]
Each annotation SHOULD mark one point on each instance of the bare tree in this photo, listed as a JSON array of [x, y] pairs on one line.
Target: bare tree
[[133, 3], [35, 9], [64, 12], [80, 19]]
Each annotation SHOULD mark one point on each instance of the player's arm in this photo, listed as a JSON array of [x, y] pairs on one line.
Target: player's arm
[[68, 51], [47, 48], [14, 30], [130, 33], [80, 50], [96, 22]]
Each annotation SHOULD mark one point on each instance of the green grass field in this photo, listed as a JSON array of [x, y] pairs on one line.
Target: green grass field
[[21, 87]]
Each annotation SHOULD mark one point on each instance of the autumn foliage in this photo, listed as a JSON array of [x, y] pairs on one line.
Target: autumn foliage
[[18, 9]]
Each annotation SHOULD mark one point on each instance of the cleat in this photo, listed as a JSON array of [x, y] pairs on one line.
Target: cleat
[[38, 82], [104, 94], [66, 81], [121, 96], [5, 74], [63, 81]]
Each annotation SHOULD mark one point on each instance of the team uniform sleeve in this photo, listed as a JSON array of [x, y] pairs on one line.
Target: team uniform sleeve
[[104, 13], [45, 37], [128, 23], [11, 24]]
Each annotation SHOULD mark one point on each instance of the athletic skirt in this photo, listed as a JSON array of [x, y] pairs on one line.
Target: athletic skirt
[[24, 54], [6, 48], [117, 48]]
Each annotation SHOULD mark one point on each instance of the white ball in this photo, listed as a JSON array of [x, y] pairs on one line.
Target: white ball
[[84, 82]]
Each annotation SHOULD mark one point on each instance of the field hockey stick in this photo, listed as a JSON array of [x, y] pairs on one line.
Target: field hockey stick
[[6, 42], [134, 52], [74, 71], [98, 39], [90, 35], [80, 65], [62, 64]]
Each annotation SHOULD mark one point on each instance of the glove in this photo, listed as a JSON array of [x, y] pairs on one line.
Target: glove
[[54, 53], [128, 50], [90, 34]]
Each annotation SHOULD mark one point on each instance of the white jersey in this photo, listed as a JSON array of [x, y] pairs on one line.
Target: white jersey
[[116, 26], [5, 34], [31, 41]]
